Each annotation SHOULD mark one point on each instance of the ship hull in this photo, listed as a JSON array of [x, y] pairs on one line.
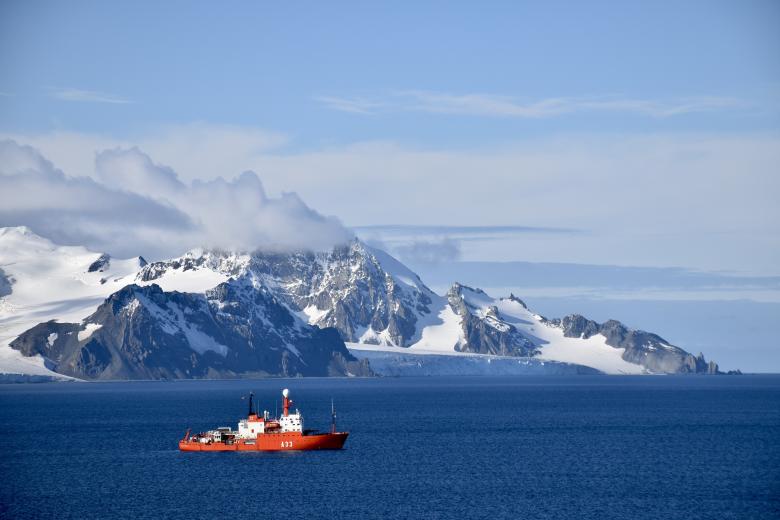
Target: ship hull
[[291, 441]]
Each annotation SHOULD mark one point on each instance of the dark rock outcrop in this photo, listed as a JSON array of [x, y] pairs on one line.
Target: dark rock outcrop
[[5, 284], [235, 329], [488, 334], [101, 264]]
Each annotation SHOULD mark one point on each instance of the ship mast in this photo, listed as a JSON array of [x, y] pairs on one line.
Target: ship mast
[[287, 401], [332, 417], [251, 411]]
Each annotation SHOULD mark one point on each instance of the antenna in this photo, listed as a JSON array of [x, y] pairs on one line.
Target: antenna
[[332, 417]]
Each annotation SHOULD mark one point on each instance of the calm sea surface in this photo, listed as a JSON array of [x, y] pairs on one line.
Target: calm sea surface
[[535, 447]]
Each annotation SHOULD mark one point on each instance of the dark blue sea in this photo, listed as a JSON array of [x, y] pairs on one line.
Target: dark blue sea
[[591, 447]]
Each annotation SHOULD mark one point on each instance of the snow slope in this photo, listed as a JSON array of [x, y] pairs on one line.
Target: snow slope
[[52, 282], [442, 335], [48, 282], [593, 352]]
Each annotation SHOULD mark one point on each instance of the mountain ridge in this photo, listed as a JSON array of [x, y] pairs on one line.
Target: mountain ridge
[[147, 333], [369, 298]]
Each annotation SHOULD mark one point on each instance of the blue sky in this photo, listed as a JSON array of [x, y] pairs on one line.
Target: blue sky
[[634, 134], [269, 65]]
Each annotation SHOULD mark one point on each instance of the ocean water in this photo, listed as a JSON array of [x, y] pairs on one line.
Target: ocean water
[[591, 447]]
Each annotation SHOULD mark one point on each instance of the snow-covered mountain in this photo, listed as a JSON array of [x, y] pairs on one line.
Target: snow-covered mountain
[[235, 329], [374, 302], [378, 304], [363, 292], [506, 325], [69, 311], [41, 281]]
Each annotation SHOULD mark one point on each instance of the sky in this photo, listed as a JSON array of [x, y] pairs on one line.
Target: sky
[[607, 144]]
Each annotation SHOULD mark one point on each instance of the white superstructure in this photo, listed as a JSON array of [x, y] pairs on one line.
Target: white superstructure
[[292, 422], [255, 424]]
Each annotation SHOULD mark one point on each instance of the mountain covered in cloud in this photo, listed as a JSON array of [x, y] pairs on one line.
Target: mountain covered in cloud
[[216, 313]]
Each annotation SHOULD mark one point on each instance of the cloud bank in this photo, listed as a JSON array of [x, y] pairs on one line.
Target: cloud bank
[[136, 206], [433, 252], [697, 200]]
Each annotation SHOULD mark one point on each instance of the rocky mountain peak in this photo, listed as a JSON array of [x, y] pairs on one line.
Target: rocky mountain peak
[[101, 264], [230, 264], [514, 298]]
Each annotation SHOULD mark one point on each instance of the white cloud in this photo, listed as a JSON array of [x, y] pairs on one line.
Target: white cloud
[[195, 151], [354, 105], [698, 201], [488, 105], [693, 200], [143, 208], [78, 210], [134, 171], [229, 214], [87, 96]]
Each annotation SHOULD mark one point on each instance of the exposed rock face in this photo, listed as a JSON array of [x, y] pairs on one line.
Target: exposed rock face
[[5, 284], [101, 264], [224, 262], [235, 329], [487, 333], [642, 348], [348, 288]]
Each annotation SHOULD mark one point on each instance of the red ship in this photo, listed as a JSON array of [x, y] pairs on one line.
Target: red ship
[[265, 433]]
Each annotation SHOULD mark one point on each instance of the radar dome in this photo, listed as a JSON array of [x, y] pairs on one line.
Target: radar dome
[[285, 392]]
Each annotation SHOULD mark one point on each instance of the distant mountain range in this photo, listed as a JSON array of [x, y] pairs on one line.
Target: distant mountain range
[[72, 312]]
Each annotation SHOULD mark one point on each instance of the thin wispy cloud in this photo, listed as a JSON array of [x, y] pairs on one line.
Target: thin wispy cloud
[[489, 105], [86, 96], [353, 105], [400, 229]]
